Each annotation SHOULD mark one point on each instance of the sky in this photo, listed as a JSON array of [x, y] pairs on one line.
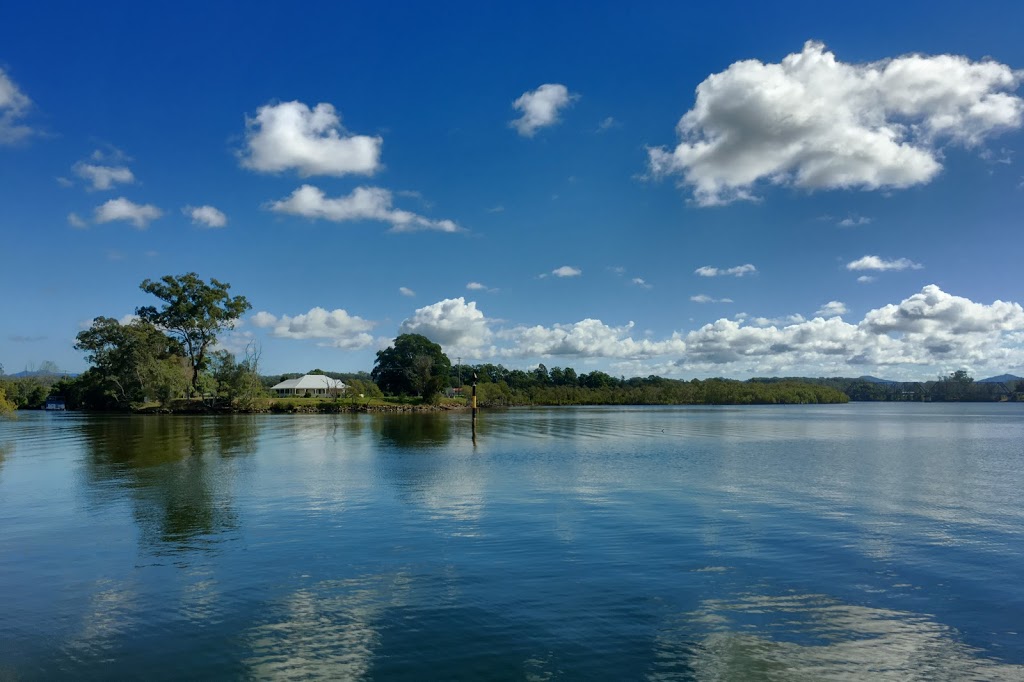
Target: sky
[[638, 188]]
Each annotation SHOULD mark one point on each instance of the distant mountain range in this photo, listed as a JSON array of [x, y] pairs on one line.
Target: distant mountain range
[[876, 380], [40, 373], [1001, 379]]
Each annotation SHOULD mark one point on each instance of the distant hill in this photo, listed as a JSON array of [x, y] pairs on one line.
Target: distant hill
[[1001, 379], [876, 380], [39, 373]]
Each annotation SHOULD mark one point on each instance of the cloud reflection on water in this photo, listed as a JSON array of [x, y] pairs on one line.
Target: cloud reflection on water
[[814, 637]]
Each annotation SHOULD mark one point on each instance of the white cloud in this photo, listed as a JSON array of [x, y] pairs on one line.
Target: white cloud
[[476, 286], [922, 335], [364, 203], [139, 215], [738, 271], [642, 283], [14, 104], [103, 177], [587, 338], [334, 328], [607, 124], [865, 279], [567, 271], [854, 221], [832, 309], [406, 291], [933, 312], [75, 221], [704, 298], [290, 135], [814, 122], [540, 107], [931, 328], [455, 324], [876, 263], [207, 216]]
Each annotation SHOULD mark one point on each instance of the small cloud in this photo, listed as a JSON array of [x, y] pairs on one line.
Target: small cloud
[[103, 177], [406, 291], [640, 282], [617, 269], [1004, 156], [206, 216], [14, 105], [290, 135], [540, 107], [607, 124], [475, 286], [363, 203], [18, 338], [496, 209], [865, 279], [738, 271], [64, 182], [566, 271], [76, 222], [704, 298], [139, 215], [832, 309], [876, 263], [854, 221]]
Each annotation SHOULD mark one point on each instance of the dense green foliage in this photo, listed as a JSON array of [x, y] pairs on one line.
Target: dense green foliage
[[958, 386], [6, 406], [165, 355], [194, 313], [500, 386], [28, 393], [412, 365], [130, 363]]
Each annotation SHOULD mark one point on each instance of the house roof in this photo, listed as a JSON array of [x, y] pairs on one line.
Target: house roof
[[309, 382]]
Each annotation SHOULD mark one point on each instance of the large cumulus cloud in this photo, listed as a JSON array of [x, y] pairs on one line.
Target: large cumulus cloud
[[815, 122]]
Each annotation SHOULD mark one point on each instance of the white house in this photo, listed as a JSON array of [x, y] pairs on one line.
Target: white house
[[310, 384]]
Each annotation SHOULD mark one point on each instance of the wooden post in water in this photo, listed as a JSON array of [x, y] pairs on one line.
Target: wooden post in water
[[474, 408]]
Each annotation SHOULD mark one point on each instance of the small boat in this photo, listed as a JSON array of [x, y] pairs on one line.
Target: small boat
[[55, 403]]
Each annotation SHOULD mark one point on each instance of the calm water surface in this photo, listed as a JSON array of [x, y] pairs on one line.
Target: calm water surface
[[864, 541]]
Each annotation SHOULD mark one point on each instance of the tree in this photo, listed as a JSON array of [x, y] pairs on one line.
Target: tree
[[132, 362], [194, 312], [6, 406], [238, 382], [412, 365]]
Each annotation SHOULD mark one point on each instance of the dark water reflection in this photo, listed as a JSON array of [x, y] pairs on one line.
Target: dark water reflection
[[175, 470], [848, 542]]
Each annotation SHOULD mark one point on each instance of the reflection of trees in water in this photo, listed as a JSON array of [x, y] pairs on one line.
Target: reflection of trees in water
[[413, 430], [177, 471], [428, 475], [5, 449], [812, 637]]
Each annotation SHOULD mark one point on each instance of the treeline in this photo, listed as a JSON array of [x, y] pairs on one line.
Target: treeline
[[25, 393], [958, 386], [499, 386]]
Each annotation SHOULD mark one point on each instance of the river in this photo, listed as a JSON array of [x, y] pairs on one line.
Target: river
[[859, 541]]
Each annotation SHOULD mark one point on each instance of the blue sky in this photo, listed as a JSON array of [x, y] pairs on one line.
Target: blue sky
[[644, 188]]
